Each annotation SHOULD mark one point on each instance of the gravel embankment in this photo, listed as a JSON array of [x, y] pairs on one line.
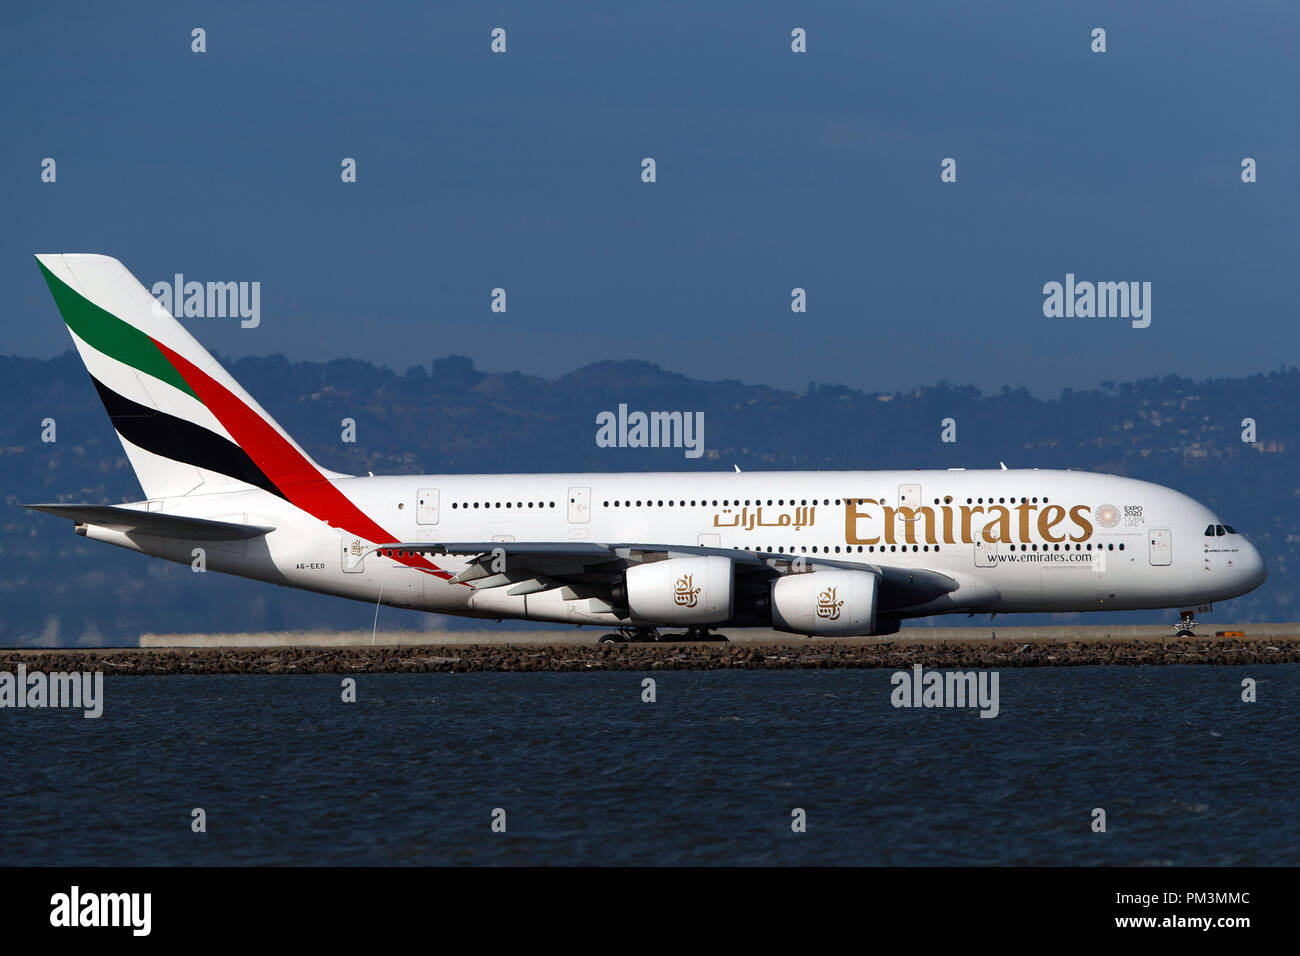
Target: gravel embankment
[[666, 656]]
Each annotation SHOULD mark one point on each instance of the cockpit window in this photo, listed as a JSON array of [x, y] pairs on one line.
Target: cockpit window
[[1209, 531], [1230, 529]]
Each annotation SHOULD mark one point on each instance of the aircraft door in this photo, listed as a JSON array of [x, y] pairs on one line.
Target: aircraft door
[[983, 550], [579, 505], [1161, 546], [352, 559], [426, 506], [1114, 557]]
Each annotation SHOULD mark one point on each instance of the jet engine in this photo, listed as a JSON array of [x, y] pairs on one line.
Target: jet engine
[[682, 591], [827, 603]]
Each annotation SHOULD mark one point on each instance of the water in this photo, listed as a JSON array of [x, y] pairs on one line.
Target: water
[[709, 774]]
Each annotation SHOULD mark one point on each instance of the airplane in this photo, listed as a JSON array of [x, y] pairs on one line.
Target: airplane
[[821, 553]]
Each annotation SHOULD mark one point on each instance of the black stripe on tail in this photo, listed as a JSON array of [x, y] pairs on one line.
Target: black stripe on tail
[[179, 440]]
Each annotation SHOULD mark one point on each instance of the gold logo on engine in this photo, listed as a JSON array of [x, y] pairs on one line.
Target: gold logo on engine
[[356, 547], [827, 606], [685, 594]]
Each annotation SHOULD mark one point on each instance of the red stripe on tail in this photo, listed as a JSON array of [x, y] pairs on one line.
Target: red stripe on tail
[[288, 469]]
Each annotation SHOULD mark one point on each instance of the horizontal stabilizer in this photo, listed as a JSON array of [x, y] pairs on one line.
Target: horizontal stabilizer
[[129, 520]]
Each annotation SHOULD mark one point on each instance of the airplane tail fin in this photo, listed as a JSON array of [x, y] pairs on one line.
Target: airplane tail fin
[[187, 427]]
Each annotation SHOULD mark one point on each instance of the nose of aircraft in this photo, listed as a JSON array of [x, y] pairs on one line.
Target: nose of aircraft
[[1253, 569]]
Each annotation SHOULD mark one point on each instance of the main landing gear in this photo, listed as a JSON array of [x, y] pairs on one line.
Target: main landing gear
[[1185, 625], [642, 635], [632, 635]]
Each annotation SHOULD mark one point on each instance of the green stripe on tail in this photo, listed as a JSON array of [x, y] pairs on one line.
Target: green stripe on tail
[[107, 333]]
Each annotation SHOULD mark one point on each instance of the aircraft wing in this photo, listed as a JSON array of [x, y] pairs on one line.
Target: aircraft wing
[[129, 520], [590, 569]]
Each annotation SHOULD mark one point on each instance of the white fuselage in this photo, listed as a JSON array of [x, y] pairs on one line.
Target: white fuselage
[[1016, 540]]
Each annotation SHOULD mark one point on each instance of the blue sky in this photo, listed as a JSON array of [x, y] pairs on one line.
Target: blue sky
[[775, 170]]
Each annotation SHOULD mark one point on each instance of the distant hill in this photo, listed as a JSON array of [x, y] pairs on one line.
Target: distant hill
[[448, 417]]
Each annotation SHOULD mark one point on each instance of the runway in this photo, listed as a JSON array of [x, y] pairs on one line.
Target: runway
[[591, 635]]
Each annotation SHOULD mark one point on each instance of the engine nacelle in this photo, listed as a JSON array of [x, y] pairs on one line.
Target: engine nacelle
[[828, 603], [684, 591]]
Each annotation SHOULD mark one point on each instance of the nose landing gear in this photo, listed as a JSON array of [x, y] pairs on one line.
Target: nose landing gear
[[1185, 624]]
